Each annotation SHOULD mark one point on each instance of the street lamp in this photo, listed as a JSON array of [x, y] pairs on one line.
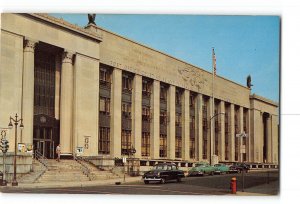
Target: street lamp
[[211, 130], [10, 126]]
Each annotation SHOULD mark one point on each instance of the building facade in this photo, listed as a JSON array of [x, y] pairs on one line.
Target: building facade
[[95, 91]]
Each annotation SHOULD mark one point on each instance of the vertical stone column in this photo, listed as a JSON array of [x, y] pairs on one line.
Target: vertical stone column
[[199, 129], [155, 113], [241, 125], [171, 124], [275, 141], [222, 135], [116, 113], [137, 114], [269, 140], [249, 149], [28, 90], [66, 103], [231, 135], [57, 85], [257, 135], [186, 125]]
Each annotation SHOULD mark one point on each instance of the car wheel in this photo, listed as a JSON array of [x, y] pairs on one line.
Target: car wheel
[[179, 179], [212, 173], [162, 181], [146, 182]]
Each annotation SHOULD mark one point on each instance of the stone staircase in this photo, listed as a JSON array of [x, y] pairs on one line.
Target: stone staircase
[[71, 171], [98, 174], [63, 171], [38, 170]]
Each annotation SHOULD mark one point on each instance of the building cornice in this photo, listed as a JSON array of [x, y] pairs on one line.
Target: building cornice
[[66, 25], [265, 100]]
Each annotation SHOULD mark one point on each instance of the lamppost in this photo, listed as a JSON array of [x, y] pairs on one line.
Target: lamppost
[[10, 125], [211, 133]]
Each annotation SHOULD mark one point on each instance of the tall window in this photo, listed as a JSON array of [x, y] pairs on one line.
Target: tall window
[[146, 87], [192, 100], [236, 131], [127, 83], [44, 83], [227, 134], [145, 113], [104, 106], [145, 131], [178, 120], [163, 118], [163, 93], [192, 137], [205, 132], [104, 140], [146, 144], [126, 141], [245, 127], [126, 110], [178, 97], [163, 145], [178, 147], [104, 109], [105, 76], [217, 130], [178, 137]]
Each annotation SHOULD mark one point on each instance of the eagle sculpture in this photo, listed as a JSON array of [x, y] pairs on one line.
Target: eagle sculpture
[[92, 18], [249, 82]]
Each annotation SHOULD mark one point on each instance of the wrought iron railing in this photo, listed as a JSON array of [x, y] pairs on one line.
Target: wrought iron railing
[[84, 168], [38, 156]]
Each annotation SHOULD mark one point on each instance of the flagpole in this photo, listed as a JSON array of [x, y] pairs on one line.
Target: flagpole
[[212, 107]]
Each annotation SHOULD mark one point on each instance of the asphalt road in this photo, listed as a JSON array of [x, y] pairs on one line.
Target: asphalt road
[[207, 185]]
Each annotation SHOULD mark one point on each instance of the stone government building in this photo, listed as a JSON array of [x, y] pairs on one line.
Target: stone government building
[[91, 89]]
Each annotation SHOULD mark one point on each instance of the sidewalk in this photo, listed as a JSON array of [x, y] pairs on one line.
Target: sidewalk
[[271, 189], [128, 179]]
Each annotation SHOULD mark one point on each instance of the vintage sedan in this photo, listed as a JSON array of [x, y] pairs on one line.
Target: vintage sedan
[[221, 169], [201, 168], [162, 173], [238, 168]]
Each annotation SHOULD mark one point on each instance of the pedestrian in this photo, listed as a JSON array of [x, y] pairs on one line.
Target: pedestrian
[[58, 151]]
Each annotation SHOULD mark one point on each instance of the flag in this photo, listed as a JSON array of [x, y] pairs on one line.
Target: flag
[[214, 62]]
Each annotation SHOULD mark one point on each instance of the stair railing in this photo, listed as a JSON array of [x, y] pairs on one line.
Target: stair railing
[[86, 171], [43, 161]]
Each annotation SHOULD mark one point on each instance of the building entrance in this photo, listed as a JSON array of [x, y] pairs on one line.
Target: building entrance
[[45, 136], [46, 127]]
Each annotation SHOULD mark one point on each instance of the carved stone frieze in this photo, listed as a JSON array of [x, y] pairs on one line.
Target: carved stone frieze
[[192, 77]]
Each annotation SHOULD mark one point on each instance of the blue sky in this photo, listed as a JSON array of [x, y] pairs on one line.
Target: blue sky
[[243, 44]]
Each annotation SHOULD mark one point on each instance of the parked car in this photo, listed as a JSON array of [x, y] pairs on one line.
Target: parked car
[[221, 169], [163, 173], [238, 168], [200, 169]]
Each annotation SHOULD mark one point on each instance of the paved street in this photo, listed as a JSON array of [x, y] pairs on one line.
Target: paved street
[[207, 185]]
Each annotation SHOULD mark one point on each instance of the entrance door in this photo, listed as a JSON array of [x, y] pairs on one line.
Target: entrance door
[[41, 147], [44, 141]]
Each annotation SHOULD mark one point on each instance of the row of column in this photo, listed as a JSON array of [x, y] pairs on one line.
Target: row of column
[[253, 145], [115, 124], [66, 97]]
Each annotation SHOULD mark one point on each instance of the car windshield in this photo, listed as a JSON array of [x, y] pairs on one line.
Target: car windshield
[[160, 167], [217, 164], [197, 165]]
